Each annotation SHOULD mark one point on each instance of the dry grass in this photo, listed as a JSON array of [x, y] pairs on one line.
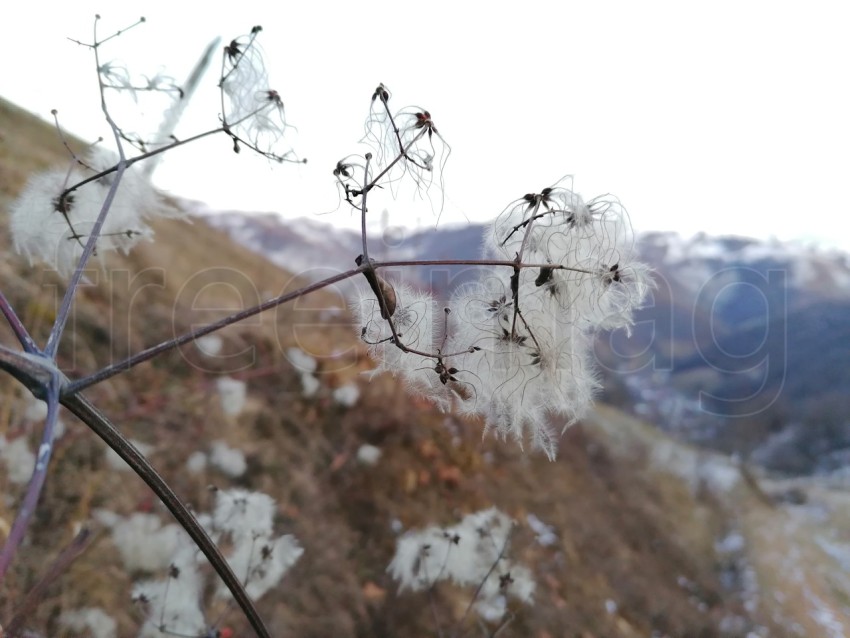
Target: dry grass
[[630, 538]]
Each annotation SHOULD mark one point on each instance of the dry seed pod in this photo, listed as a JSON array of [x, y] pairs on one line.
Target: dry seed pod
[[382, 289], [387, 298]]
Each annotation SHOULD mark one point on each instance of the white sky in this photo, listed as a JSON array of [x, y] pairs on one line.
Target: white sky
[[723, 116]]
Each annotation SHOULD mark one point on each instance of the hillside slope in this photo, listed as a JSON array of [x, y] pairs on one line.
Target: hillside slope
[[642, 532], [721, 353]]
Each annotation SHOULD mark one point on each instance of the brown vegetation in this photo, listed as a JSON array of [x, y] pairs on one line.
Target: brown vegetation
[[635, 544]]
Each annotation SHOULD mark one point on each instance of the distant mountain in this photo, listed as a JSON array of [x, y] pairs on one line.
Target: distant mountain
[[741, 339]]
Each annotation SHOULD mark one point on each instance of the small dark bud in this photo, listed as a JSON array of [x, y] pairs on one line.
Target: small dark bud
[[544, 277], [368, 156], [142, 19], [256, 29], [63, 204], [613, 274]]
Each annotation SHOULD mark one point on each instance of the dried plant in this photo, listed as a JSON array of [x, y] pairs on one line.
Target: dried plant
[[512, 347]]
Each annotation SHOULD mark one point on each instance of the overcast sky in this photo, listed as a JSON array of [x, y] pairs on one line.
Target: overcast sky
[[725, 116]]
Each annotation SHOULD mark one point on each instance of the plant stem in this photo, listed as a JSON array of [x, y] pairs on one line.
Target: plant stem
[[149, 353], [65, 308], [36, 482], [101, 426], [17, 326]]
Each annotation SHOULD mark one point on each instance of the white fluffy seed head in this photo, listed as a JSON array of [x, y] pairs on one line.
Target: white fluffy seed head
[[418, 320], [144, 542], [229, 460], [232, 395], [18, 458], [516, 346], [242, 513], [90, 621], [473, 553], [261, 562], [173, 603], [48, 228]]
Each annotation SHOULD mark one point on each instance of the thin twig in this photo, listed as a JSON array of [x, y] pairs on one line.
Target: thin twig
[[36, 482], [16, 325], [101, 426], [515, 278], [149, 353], [138, 158], [363, 209], [475, 262], [65, 308]]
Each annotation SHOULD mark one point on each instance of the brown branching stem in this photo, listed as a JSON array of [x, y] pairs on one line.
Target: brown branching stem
[[65, 307], [515, 277], [170, 344], [101, 426], [149, 353], [132, 160], [388, 167], [17, 326], [364, 210], [474, 262], [26, 510]]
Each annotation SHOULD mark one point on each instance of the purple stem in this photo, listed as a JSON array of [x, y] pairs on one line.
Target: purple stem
[[17, 327], [39, 474], [149, 353], [68, 299]]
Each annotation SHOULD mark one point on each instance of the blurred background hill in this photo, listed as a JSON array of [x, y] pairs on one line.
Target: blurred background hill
[[633, 531], [741, 348]]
